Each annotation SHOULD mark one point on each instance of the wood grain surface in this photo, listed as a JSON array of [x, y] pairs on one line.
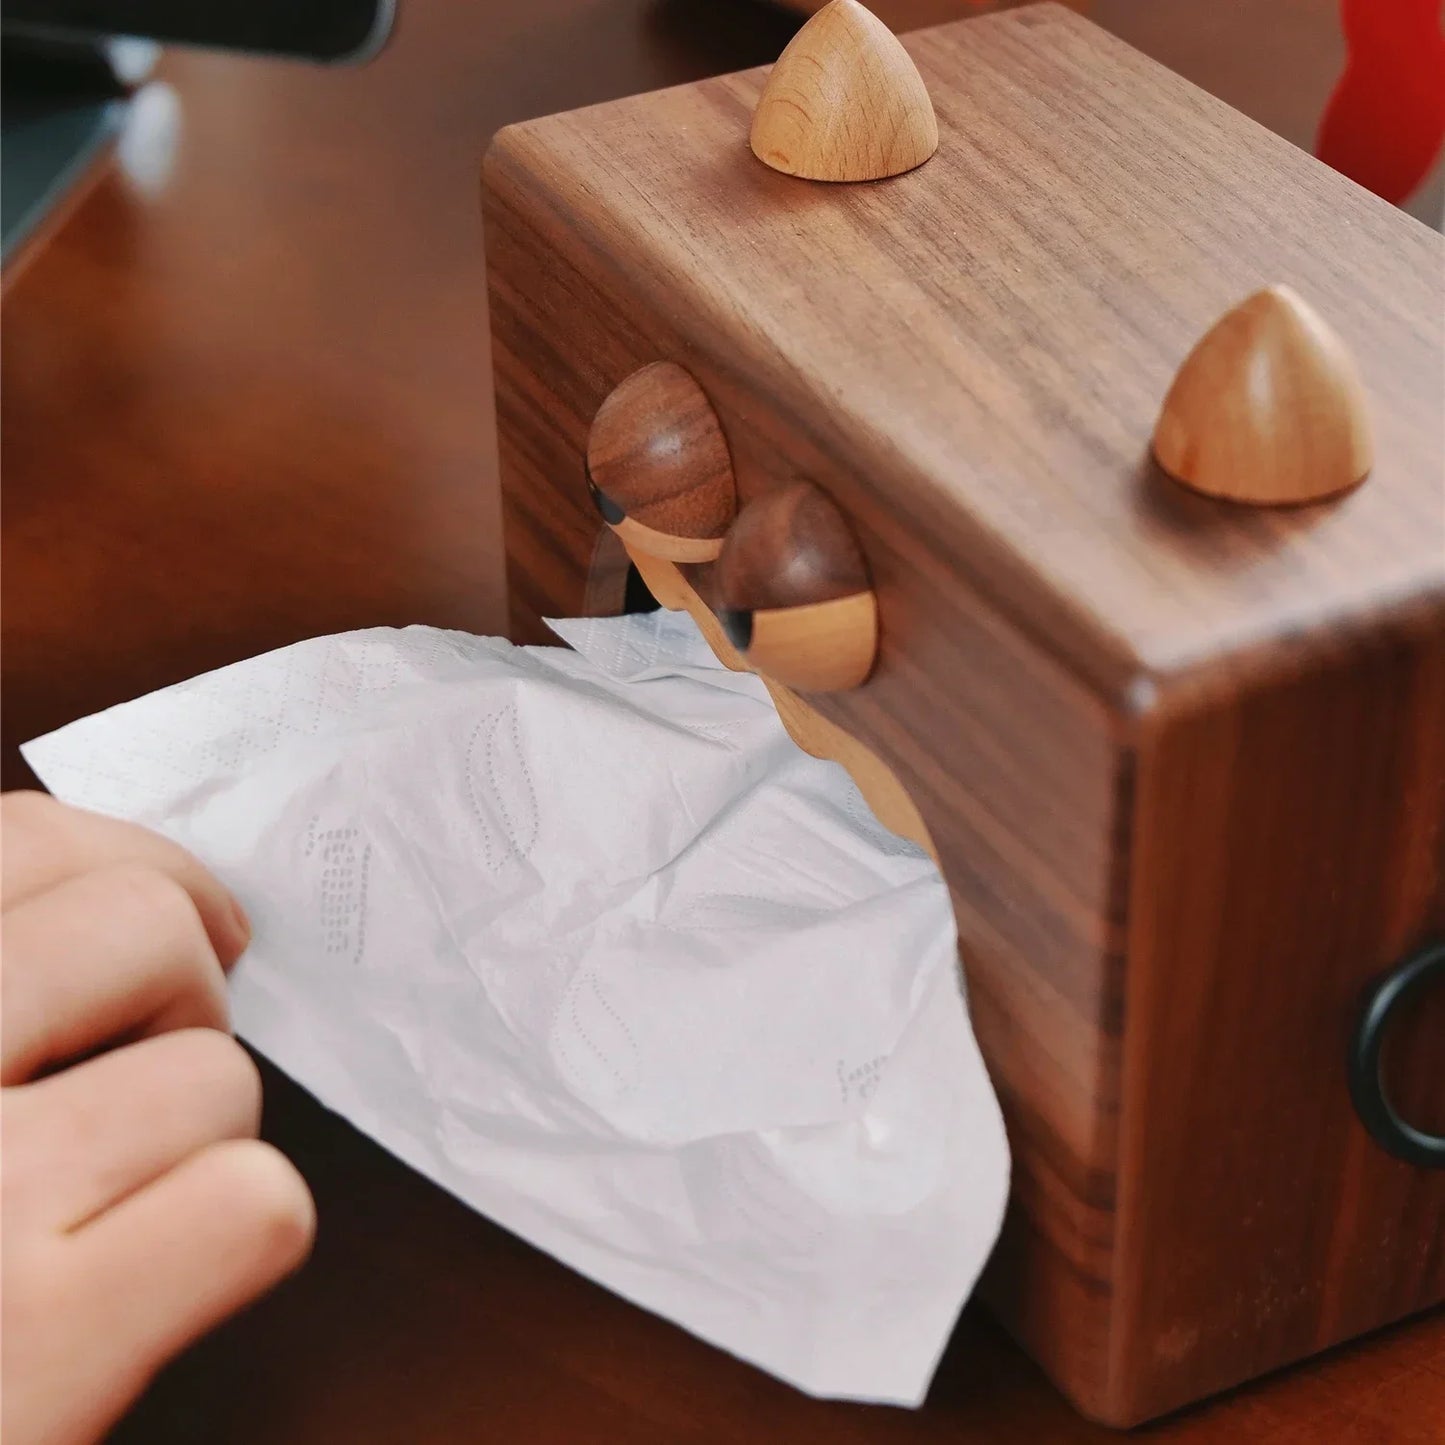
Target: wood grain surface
[[245, 402], [1117, 291], [1288, 846], [972, 371]]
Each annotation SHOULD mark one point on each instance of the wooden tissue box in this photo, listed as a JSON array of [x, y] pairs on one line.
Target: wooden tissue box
[[1180, 755]]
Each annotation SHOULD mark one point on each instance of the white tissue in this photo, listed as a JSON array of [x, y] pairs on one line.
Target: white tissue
[[585, 939]]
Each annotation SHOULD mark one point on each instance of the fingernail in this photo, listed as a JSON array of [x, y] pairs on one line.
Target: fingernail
[[243, 923]]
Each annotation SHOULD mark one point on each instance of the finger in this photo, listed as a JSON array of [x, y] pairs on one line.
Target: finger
[[47, 843], [177, 1258], [112, 1125], [101, 957]]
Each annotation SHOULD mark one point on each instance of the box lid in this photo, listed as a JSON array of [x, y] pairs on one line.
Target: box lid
[[988, 338]]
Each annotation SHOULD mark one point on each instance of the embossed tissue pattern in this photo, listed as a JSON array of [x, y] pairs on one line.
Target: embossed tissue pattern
[[584, 938]]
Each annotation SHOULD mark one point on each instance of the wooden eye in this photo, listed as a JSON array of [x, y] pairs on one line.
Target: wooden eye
[[794, 593], [658, 466]]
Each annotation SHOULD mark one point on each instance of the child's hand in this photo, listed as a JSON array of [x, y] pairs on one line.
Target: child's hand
[[139, 1209]]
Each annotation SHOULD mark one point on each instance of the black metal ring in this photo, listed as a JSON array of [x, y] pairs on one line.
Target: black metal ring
[[1367, 1088]]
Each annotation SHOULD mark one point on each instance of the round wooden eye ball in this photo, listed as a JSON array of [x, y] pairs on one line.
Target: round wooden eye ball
[[794, 594], [658, 467]]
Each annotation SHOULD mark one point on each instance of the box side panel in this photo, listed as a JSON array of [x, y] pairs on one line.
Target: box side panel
[[1288, 849], [1011, 761]]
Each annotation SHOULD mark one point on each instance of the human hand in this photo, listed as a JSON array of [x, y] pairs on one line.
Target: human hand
[[137, 1208]]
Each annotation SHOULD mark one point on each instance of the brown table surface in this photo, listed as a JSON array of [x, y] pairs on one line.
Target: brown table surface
[[246, 401]]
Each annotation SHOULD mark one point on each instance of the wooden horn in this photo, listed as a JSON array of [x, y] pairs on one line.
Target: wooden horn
[[844, 102], [1267, 409]]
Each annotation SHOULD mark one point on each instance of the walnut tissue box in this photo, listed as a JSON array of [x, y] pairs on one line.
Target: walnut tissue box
[[900, 445]]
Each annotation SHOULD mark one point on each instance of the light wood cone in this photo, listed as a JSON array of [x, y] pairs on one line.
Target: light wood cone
[[1267, 409], [844, 102]]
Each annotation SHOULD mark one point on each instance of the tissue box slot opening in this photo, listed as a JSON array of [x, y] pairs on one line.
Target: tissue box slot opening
[[636, 594], [615, 587]]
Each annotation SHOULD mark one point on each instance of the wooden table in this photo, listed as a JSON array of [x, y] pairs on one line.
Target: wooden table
[[246, 401]]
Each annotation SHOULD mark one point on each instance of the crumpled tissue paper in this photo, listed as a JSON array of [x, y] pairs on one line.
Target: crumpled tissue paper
[[583, 937]]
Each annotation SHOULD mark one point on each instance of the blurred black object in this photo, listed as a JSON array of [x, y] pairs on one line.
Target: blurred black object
[[60, 103], [62, 89], [322, 30]]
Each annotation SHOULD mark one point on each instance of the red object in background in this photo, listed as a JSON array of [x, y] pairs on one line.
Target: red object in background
[[1385, 122]]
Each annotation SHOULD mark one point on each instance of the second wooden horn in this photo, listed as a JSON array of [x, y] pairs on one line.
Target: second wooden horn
[[845, 102], [1268, 408]]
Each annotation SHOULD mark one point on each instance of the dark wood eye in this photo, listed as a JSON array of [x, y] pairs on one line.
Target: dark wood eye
[[793, 591], [658, 466]]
